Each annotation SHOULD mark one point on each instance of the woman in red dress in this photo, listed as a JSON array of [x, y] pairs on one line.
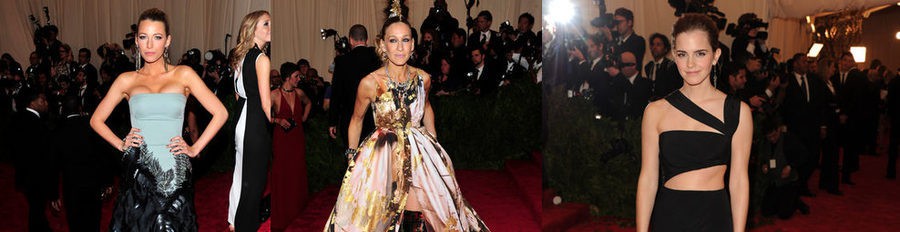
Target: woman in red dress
[[289, 182]]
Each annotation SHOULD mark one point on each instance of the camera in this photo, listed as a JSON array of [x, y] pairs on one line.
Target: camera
[[604, 20], [507, 28], [341, 43], [746, 23], [216, 62]]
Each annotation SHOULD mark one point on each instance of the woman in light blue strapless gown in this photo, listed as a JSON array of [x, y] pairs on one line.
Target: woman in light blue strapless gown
[[155, 192]]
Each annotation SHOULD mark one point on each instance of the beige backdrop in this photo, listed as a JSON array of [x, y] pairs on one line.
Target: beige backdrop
[[88, 23], [296, 24]]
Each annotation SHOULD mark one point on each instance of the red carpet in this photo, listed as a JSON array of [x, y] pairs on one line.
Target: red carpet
[[210, 201], [870, 205], [501, 198]]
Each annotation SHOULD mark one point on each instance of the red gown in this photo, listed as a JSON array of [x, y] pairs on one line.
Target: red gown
[[288, 177]]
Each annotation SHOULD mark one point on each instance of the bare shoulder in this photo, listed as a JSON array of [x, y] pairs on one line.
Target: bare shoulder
[[657, 109], [421, 73], [746, 113], [184, 71], [371, 80], [262, 58], [126, 78]]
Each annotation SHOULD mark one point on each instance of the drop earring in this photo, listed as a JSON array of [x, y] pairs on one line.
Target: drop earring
[[137, 60], [166, 61]]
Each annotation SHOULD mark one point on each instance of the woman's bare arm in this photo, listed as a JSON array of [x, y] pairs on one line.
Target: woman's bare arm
[[366, 92], [98, 119], [262, 75], [738, 179], [648, 181]]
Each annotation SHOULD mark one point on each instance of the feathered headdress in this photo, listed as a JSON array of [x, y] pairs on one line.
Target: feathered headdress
[[396, 8]]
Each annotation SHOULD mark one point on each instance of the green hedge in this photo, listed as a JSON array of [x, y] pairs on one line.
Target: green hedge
[[591, 160]]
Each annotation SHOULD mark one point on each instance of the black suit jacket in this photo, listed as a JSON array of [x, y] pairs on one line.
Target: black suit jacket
[[629, 99], [667, 78], [36, 170], [493, 44], [803, 117], [349, 70], [852, 94], [601, 82], [634, 44], [83, 161], [487, 80]]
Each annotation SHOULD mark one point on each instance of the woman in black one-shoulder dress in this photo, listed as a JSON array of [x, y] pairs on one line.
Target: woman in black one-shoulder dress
[[253, 141], [690, 140]]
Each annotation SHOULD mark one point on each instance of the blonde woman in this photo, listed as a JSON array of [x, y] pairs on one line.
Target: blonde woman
[[252, 136]]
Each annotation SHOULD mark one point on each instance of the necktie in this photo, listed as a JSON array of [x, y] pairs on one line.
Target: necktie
[[483, 38], [843, 78], [803, 87]]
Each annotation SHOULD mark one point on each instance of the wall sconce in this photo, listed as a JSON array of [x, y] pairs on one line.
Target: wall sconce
[[859, 53], [815, 49]]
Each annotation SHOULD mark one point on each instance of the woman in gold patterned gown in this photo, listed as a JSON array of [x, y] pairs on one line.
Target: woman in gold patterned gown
[[399, 178]]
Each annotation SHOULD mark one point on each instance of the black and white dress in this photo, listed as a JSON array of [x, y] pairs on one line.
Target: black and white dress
[[253, 148]]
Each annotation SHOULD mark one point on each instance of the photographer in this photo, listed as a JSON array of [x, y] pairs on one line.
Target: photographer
[[349, 69], [524, 31], [217, 75], [485, 38], [441, 22], [191, 58], [592, 81], [625, 38], [749, 38], [427, 51]]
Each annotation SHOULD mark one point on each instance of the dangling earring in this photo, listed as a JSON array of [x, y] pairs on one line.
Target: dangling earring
[[166, 61], [137, 60], [713, 76]]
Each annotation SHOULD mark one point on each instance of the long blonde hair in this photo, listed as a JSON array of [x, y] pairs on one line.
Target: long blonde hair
[[245, 36]]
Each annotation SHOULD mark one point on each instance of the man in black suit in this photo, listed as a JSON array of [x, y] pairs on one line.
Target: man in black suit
[[485, 38], [661, 70], [802, 109], [524, 35], [851, 85], [483, 78], [591, 74], [349, 70], [86, 175], [626, 39], [631, 92], [35, 168], [84, 62]]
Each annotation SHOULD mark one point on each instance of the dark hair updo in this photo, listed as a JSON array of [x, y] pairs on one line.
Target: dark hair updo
[[155, 14], [693, 21]]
